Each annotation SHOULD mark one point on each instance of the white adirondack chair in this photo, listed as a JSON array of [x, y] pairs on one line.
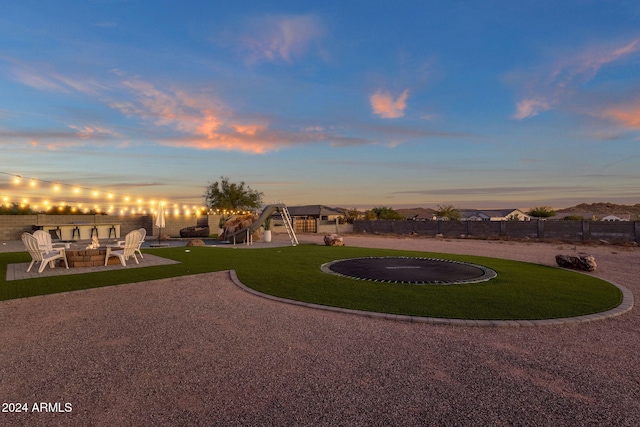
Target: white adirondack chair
[[46, 242], [44, 257], [143, 233], [131, 244]]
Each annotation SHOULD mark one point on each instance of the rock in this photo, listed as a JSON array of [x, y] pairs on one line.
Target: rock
[[195, 242], [165, 236], [440, 235], [236, 223], [333, 240], [583, 263]]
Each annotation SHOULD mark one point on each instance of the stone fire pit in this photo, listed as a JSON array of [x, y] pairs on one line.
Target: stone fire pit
[[82, 257]]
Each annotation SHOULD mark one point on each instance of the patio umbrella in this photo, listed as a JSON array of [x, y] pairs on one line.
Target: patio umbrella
[[160, 220]]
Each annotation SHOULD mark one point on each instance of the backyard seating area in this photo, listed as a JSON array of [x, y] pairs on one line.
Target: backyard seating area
[[43, 250]]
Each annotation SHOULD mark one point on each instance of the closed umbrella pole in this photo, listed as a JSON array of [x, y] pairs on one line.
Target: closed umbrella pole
[[160, 223]]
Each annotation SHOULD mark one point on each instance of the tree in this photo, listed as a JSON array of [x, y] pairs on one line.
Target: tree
[[350, 215], [370, 215], [541, 212], [573, 218], [232, 196], [384, 212], [16, 209], [448, 211]]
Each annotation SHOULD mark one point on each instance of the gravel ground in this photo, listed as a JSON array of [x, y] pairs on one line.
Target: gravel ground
[[199, 351]]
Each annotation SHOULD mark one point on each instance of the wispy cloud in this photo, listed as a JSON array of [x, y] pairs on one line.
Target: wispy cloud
[[626, 115], [551, 86], [42, 78], [530, 107], [385, 106], [278, 38], [56, 139], [469, 191], [205, 123]]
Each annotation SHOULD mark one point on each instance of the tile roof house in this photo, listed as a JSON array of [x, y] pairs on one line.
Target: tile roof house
[[324, 213], [493, 215]]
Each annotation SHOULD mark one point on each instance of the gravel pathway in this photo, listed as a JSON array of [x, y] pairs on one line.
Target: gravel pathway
[[200, 351]]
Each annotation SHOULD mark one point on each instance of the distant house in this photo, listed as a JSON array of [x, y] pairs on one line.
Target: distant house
[[311, 218], [620, 217], [494, 215], [323, 213]]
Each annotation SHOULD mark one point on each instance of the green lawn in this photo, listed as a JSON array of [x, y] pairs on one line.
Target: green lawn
[[521, 290]]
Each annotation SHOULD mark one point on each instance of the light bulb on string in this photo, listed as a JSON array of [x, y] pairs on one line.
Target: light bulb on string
[[78, 190]]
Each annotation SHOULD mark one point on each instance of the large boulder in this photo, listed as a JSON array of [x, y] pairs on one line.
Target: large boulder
[[582, 263], [333, 240], [195, 242], [237, 223]]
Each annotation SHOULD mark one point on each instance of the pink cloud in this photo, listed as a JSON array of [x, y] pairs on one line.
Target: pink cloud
[[228, 142], [589, 62], [91, 132], [627, 116], [530, 107], [281, 37], [386, 107], [203, 122], [553, 85], [251, 130]]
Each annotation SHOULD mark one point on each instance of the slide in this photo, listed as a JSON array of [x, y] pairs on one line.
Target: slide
[[241, 235]]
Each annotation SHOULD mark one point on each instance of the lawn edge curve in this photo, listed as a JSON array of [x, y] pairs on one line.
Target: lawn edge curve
[[625, 306]]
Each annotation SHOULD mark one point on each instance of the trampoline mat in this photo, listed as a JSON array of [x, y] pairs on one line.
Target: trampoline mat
[[410, 270]]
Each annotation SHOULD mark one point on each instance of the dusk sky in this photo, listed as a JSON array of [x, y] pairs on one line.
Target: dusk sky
[[479, 104]]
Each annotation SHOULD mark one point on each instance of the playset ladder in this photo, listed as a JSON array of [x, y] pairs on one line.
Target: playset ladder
[[286, 219]]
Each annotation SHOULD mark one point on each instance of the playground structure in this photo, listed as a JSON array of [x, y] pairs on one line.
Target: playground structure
[[244, 235]]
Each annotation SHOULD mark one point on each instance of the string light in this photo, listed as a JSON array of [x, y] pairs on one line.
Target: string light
[[57, 187]]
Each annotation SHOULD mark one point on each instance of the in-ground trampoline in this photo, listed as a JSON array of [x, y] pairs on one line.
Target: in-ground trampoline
[[417, 271]]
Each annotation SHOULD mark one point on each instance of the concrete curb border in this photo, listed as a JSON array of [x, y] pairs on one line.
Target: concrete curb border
[[625, 306]]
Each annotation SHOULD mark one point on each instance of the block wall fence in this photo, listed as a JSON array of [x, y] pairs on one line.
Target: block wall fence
[[12, 226], [578, 231]]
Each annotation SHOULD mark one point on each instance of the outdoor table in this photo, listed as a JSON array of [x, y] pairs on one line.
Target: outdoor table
[[84, 231]]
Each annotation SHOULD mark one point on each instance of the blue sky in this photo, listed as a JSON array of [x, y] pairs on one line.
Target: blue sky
[[352, 103]]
